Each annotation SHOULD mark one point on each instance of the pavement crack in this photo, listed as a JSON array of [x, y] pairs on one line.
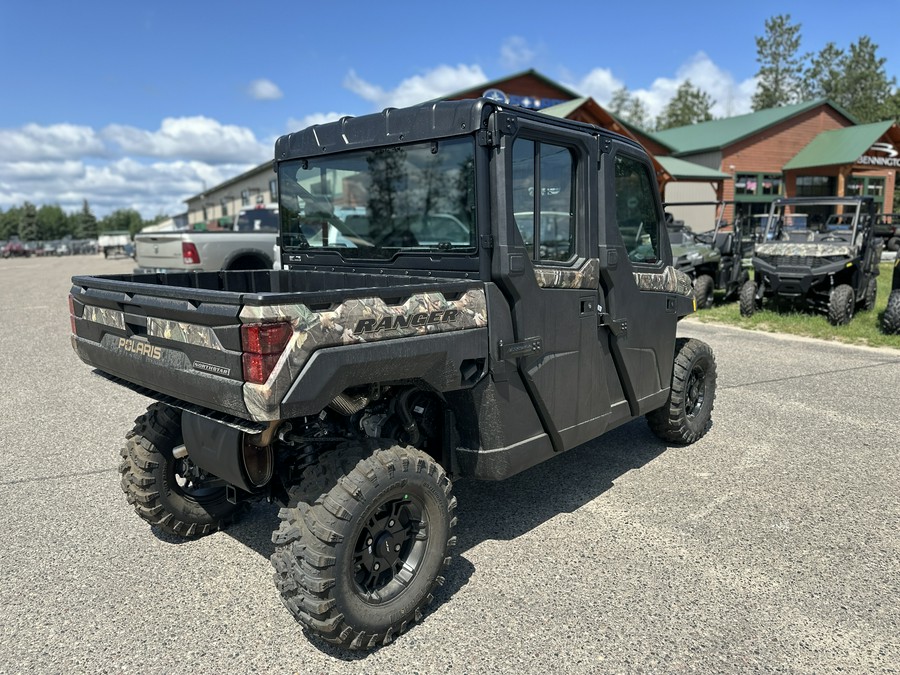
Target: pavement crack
[[805, 375], [62, 475]]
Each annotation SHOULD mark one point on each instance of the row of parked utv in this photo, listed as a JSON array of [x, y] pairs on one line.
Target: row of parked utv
[[817, 253]]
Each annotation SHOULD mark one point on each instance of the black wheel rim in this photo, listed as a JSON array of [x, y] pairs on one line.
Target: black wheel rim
[[390, 548], [695, 393]]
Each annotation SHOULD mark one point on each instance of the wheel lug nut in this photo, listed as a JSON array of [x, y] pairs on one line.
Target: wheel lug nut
[[376, 567], [369, 541], [390, 523], [397, 547]]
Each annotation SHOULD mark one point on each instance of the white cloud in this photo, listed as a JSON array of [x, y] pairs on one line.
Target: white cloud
[[57, 141], [199, 138], [296, 124], [515, 53], [599, 84], [432, 84], [730, 97], [264, 90]]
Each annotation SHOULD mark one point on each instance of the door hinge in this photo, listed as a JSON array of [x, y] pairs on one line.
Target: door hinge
[[515, 350], [618, 327], [486, 138], [487, 241]]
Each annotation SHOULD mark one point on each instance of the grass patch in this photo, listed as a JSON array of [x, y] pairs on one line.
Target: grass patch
[[864, 329]]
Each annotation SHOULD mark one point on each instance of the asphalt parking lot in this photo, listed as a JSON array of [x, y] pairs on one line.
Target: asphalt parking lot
[[773, 544]]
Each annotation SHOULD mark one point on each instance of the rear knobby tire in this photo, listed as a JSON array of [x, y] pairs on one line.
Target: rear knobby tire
[[893, 244], [841, 305], [747, 298], [360, 553], [167, 492], [704, 291], [890, 322], [687, 415]]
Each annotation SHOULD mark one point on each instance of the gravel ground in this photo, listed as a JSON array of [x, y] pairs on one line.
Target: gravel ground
[[773, 544]]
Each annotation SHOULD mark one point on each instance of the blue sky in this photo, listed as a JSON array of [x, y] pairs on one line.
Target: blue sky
[[140, 105]]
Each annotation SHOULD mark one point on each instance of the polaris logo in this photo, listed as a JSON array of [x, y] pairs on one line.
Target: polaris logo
[[416, 320], [212, 368], [143, 348]]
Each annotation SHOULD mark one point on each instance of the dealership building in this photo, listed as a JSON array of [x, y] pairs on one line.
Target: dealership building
[[807, 149]]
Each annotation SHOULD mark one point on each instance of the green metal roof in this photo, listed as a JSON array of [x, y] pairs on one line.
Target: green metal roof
[[679, 168], [563, 110], [717, 134], [839, 146]]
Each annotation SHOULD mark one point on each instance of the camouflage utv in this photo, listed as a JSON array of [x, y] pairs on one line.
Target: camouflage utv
[[714, 260], [819, 253], [890, 321]]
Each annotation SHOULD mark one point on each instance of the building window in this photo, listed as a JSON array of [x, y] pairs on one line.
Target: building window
[[224, 203], [273, 190], [245, 197], [815, 186], [866, 186], [636, 214], [551, 168], [762, 185]]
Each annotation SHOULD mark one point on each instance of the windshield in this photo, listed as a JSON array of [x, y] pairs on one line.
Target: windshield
[[378, 203], [813, 224]]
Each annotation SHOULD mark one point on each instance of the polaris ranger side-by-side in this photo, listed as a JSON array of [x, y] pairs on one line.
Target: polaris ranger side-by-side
[[819, 252], [714, 259], [468, 290]]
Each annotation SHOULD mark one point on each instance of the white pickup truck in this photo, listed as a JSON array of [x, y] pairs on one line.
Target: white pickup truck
[[249, 245]]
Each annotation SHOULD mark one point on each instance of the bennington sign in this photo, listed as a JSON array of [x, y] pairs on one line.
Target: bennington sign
[[888, 157]]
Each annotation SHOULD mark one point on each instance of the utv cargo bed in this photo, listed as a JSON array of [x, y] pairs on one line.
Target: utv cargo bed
[[181, 334]]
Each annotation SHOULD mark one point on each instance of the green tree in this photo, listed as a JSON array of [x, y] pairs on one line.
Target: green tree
[[866, 89], [780, 64], [86, 223], [52, 222], [121, 219], [28, 223], [689, 106], [824, 76], [629, 109], [9, 223]]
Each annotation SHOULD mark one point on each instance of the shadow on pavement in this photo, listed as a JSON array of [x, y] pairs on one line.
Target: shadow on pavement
[[501, 510]]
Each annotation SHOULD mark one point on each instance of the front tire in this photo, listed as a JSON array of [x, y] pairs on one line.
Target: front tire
[[890, 322], [360, 554], [748, 298], [167, 492], [704, 289], [687, 415], [841, 305]]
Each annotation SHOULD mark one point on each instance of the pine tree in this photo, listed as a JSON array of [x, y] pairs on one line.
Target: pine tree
[[780, 66], [86, 223], [689, 106], [28, 223], [866, 89]]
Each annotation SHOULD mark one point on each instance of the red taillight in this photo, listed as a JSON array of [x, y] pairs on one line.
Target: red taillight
[[262, 344], [189, 253]]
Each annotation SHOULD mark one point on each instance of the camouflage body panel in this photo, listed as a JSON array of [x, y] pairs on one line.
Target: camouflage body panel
[[810, 250], [353, 322], [586, 276], [108, 317], [201, 336], [669, 280]]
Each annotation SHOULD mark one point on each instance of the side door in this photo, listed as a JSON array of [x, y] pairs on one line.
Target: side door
[[642, 289], [545, 198]]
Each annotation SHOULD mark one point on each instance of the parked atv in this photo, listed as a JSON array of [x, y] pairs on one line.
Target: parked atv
[[715, 259], [827, 264], [890, 322], [887, 227]]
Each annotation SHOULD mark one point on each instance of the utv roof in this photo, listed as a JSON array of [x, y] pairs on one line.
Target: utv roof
[[427, 121]]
